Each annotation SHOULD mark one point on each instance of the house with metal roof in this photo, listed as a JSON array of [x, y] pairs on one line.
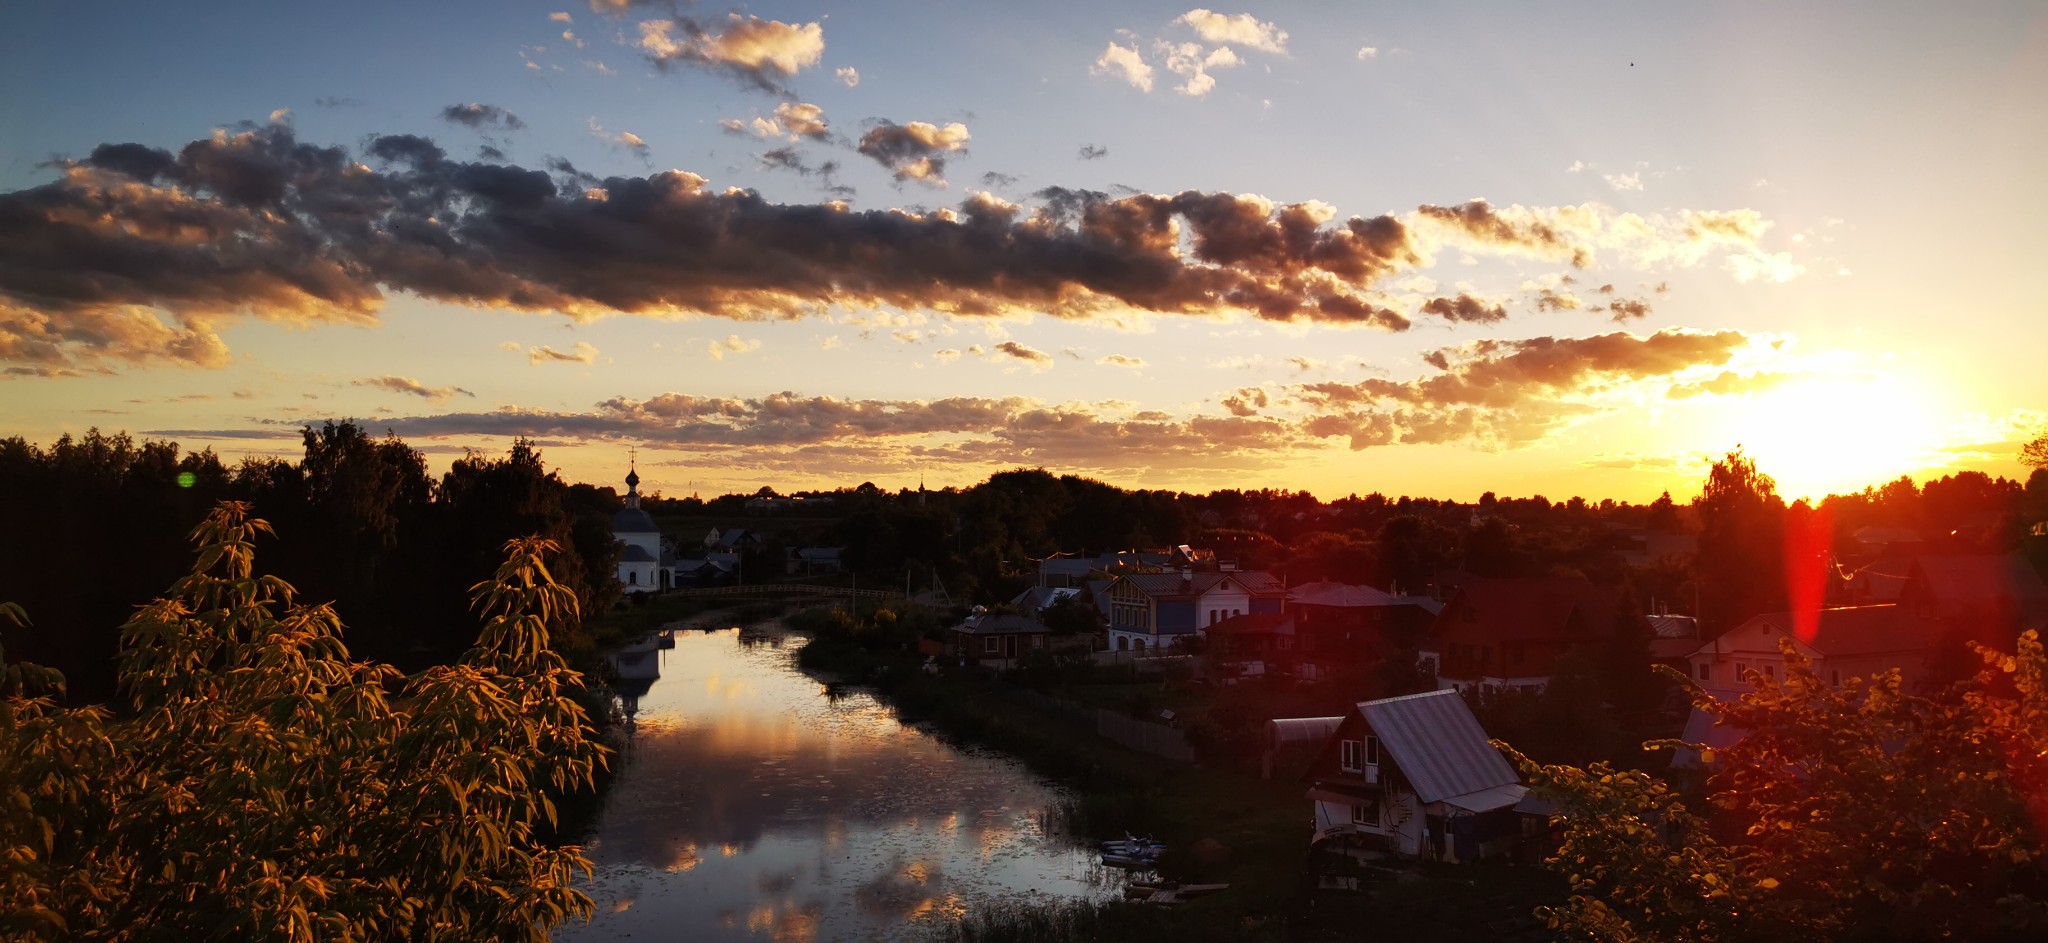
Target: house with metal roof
[[1414, 775], [1002, 639], [1844, 642], [1148, 611]]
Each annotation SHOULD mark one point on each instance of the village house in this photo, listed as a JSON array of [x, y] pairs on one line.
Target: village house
[[1846, 642], [1148, 611], [1510, 632], [1989, 598], [812, 561], [1416, 776], [1339, 626], [1001, 639], [1252, 645]]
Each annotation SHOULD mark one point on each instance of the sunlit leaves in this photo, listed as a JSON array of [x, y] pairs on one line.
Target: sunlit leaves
[[268, 788], [1858, 811]]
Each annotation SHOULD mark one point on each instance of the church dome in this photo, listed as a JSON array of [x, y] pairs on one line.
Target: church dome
[[633, 521]]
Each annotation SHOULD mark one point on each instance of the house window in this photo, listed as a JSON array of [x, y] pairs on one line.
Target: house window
[[632, 579], [1348, 758], [990, 645], [1366, 813], [1038, 641], [1771, 671], [1372, 751], [1706, 671]]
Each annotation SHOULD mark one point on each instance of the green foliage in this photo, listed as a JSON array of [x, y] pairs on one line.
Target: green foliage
[[265, 787], [1856, 812]]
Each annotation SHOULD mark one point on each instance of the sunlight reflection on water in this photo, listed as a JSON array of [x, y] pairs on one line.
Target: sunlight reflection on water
[[751, 805]]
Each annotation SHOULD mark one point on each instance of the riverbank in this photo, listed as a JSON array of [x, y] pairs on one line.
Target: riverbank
[[1222, 825]]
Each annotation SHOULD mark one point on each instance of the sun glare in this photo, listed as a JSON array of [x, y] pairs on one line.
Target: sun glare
[[1838, 435]]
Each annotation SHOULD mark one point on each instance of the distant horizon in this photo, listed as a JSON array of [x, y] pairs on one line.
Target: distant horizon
[[655, 484]]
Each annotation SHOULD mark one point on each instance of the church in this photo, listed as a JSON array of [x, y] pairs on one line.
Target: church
[[640, 564]]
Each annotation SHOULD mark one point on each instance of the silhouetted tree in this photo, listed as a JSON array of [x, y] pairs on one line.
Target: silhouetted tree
[[1740, 565]]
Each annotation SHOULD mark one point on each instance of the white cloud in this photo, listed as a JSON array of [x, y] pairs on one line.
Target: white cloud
[[732, 344], [1240, 28], [849, 75], [1368, 52], [1125, 63], [1576, 166], [1766, 266], [561, 16], [1624, 181]]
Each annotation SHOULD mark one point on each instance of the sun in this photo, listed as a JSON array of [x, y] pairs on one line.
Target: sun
[[1837, 435]]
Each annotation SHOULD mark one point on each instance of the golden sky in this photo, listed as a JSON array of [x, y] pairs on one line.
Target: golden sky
[[1569, 251]]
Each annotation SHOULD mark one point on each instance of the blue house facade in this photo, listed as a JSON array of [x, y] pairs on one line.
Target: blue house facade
[[1150, 611]]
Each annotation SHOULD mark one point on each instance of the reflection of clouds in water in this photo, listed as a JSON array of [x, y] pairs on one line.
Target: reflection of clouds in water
[[831, 819]]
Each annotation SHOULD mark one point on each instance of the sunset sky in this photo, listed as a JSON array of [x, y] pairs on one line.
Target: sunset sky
[[1558, 249]]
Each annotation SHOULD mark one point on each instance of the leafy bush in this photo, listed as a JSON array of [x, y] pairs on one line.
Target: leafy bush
[[262, 786]]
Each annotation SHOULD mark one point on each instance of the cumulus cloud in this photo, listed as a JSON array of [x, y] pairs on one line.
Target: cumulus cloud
[[1727, 383], [1125, 63], [1192, 64], [914, 151], [1367, 52], [581, 353], [136, 254], [791, 120], [408, 385], [481, 116], [1764, 266], [789, 431], [561, 16], [1038, 359], [1506, 393], [1465, 308], [1247, 401], [1241, 28], [756, 51], [1122, 360], [732, 344], [1624, 181], [848, 75]]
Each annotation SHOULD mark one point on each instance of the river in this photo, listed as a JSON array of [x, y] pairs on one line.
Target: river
[[751, 805]]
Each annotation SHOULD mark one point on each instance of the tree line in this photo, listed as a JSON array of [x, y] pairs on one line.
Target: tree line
[[98, 526]]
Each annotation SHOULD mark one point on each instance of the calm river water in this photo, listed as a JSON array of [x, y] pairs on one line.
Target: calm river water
[[749, 805]]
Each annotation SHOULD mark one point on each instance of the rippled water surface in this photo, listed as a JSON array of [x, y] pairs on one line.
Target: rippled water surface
[[750, 805]]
